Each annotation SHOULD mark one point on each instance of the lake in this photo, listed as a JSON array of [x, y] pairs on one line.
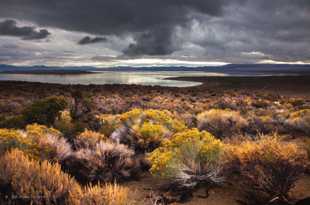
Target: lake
[[154, 78], [111, 77]]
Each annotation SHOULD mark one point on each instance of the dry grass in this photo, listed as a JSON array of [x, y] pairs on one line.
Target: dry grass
[[34, 182]]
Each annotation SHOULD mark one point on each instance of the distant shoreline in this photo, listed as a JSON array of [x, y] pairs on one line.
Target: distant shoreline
[[50, 72]]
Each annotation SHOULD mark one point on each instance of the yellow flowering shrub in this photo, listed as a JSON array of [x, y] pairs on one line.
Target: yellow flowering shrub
[[269, 167], [144, 128], [187, 151], [38, 141], [50, 142], [10, 139]]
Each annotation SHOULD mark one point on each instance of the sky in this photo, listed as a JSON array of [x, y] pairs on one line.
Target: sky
[[108, 33]]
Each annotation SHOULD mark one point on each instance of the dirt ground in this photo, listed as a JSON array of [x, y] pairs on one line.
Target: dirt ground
[[226, 195]]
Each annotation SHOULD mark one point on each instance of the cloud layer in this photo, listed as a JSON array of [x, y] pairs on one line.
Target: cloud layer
[[237, 31]]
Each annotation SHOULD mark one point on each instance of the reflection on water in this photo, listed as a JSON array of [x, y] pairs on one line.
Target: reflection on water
[[101, 78]]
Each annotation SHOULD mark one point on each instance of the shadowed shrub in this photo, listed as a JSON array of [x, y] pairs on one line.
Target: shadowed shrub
[[221, 123], [105, 162], [64, 123], [44, 111], [269, 169], [17, 121]]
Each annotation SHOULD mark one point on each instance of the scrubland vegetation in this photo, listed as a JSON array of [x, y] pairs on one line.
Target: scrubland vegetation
[[84, 148]]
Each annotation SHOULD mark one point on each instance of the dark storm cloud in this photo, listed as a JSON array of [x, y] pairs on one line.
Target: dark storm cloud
[[10, 28], [90, 40], [227, 30], [154, 42], [142, 18]]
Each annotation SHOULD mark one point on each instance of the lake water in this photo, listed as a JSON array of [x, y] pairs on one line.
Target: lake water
[[110, 77]]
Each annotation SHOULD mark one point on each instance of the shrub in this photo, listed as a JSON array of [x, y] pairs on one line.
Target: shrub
[[88, 139], [17, 121], [221, 123], [26, 181], [143, 129], [64, 123], [300, 120], [269, 168], [44, 111], [49, 141], [190, 158], [109, 123], [10, 139], [109, 194], [105, 163]]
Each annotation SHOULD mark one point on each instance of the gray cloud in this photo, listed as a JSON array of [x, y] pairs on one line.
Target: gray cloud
[[10, 28], [141, 18], [237, 31], [90, 40]]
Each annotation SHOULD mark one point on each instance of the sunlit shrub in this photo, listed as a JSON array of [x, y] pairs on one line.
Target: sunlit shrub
[[269, 168], [300, 120], [143, 129], [27, 181], [88, 139], [10, 139], [191, 158], [105, 162], [109, 194], [109, 123], [44, 111], [221, 123], [50, 142]]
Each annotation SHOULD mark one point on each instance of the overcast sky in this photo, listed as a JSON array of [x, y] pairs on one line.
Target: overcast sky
[[153, 32]]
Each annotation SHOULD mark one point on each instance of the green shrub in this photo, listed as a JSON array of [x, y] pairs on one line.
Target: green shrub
[[44, 111], [17, 121]]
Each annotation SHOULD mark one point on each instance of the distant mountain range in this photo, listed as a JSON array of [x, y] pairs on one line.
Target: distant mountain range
[[230, 68]]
